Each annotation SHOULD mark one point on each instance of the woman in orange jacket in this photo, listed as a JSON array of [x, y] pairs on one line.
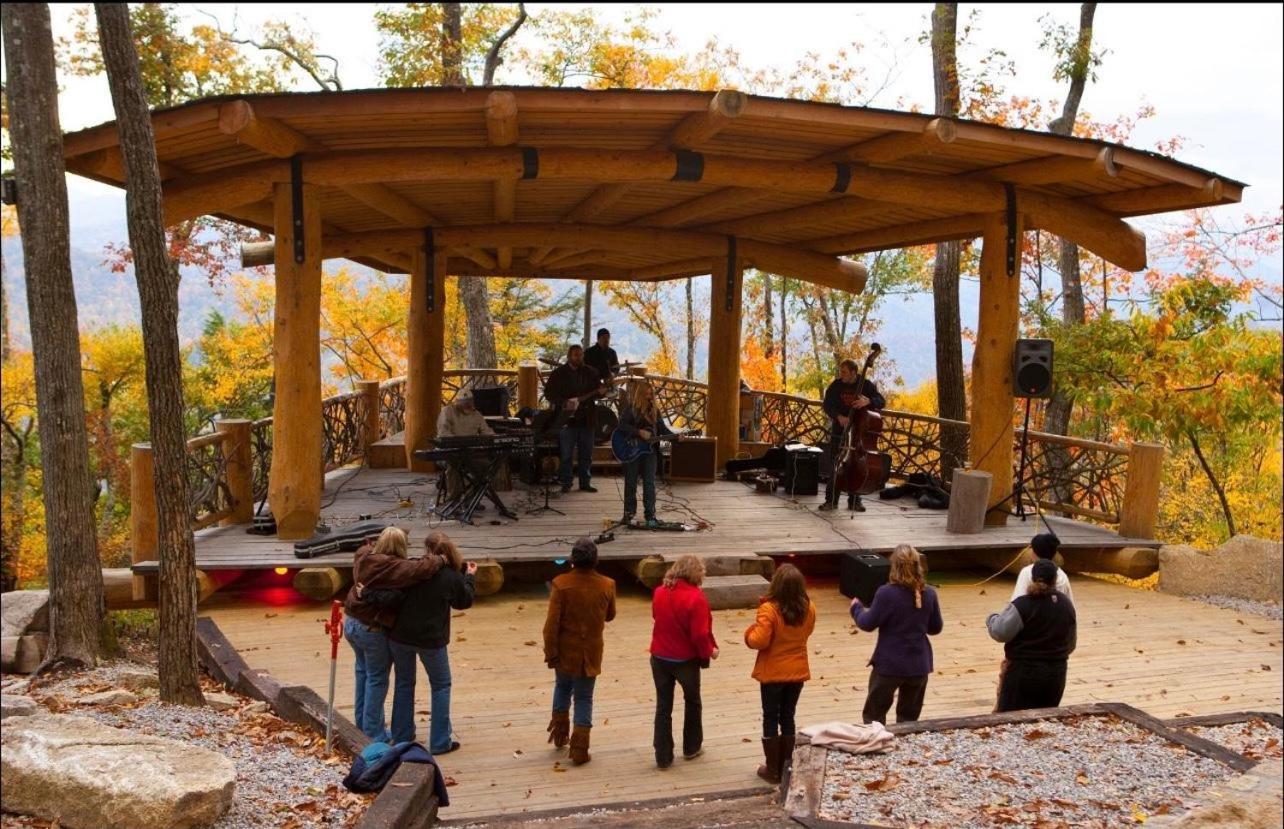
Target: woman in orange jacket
[[786, 618]]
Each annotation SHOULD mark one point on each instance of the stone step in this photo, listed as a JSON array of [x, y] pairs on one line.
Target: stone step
[[650, 570], [728, 592]]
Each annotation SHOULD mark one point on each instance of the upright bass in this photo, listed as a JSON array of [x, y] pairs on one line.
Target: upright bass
[[859, 468]]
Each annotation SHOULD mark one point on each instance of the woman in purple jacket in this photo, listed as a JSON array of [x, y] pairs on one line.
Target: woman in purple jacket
[[905, 612]]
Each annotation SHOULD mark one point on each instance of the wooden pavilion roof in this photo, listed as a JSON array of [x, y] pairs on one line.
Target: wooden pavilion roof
[[629, 184]]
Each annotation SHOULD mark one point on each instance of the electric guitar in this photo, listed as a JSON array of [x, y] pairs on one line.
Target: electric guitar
[[628, 449]]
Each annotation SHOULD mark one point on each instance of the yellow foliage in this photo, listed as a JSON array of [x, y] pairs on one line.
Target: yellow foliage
[[919, 400]]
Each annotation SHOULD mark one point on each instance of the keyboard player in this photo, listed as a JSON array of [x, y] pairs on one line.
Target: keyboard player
[[461, 419]]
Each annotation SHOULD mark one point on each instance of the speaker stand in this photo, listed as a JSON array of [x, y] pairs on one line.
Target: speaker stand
[[1018, 489]]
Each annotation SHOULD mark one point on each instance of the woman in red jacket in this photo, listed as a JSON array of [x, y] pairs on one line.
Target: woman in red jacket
[[681, 644]]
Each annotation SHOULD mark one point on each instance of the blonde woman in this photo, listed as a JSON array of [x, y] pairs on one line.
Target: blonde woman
[[682, 643], [422, 632], [378, 573], [640, 418], [905, 611]]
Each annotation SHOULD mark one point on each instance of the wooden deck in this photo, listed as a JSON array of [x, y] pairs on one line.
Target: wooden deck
[[741, 521], [1166, 655]]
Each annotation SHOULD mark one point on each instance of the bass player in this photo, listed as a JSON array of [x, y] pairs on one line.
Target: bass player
[[842, 397], [571, 387]]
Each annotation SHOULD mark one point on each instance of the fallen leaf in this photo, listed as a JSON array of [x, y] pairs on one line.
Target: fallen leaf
[[530, 643], [517, 753], [1181, 641], [450, 781], [269, 615], [1036, 734], [884, 784]]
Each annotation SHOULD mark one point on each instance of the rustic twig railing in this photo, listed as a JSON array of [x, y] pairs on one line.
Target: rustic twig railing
[[228, 469]]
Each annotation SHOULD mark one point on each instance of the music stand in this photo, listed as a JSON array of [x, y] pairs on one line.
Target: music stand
[[546, 482]]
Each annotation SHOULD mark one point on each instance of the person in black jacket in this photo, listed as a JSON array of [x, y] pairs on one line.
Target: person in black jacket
[[573, 386], [423, 630], [1039, 630], [842, 396], [602, 358]]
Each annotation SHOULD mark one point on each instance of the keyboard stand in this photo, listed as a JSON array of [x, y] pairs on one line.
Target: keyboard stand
[[474, 487]]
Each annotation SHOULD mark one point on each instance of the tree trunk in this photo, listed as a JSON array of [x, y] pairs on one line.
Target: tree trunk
[[452, 47], [951, 394], [691, 330], [784, 336], [1217, 485], [494, 55], [158, 279], [768, 312], [481, 328], [75, 575]]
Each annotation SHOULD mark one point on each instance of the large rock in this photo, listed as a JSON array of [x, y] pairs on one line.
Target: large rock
[[89, 776], [22, 654], [13, 705], [136, 678], [23, 612], [1244, 567]]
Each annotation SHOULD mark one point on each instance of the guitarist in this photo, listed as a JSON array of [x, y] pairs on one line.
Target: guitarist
[[571, 387], [842, 396], [640, 418]]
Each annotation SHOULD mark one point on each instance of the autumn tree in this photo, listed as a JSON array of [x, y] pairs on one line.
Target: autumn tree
[[158, 280], [75, 576]]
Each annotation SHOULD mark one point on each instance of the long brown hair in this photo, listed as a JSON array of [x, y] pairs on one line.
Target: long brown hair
[[907, 571], [789, 591], [643, 408], [440, 544], [391, 542]]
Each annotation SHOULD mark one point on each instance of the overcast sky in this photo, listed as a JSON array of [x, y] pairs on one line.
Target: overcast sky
[[1212, 72]]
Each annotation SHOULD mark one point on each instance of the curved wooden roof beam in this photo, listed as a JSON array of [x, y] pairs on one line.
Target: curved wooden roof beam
[[694, 130]]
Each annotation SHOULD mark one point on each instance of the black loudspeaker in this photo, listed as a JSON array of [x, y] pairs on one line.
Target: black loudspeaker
[[491, 401], [802, 472], [1032, 368], [861, 574]]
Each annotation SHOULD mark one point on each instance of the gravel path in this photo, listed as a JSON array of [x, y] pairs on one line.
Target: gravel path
[[1255, 739], [283, 781], [1268, 609], [1085, 772]]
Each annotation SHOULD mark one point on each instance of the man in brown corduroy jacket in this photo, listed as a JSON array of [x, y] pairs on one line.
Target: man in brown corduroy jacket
[[581, 604]]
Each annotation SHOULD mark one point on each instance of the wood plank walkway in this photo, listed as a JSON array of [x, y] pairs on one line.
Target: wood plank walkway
[[1166, 655], [741, 522]]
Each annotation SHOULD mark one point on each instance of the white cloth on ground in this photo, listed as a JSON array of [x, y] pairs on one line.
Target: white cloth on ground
[[853, 739]]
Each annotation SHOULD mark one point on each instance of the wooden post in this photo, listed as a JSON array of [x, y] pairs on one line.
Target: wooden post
[[969, 497], [528, 387], [427, 338], [295, 481], [723, 410], [1141, 491], [991, 428], [143, 532], [239, 457], [370, 394]]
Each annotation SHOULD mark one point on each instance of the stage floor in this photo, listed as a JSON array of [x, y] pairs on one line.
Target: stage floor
[[740, 522]]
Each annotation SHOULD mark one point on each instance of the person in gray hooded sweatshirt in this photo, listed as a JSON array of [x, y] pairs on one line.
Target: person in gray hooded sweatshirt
[[1039, 632]]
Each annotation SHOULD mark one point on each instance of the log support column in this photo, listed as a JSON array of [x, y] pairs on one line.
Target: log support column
[[723, 409], [369, 390], [992, 399], [1141, 491], [143, 532], [528, 387], [426, 364], [239, 456], [295, 479]]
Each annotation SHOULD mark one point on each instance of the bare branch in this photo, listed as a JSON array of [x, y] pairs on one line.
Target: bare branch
[[493, 59]]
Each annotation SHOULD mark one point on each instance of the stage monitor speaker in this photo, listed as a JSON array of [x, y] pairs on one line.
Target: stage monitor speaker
[[694, 459], [802, 472], [491, 401], [1032, 368], [861, 574]]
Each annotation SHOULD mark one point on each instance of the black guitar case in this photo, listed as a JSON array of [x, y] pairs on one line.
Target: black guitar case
[[344, 540]]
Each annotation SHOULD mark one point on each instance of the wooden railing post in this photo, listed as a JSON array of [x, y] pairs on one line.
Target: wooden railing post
[[369, 390], [1141, 490], [238, 456], [143, 535], [528, 387]]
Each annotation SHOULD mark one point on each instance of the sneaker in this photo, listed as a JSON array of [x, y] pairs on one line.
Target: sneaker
[[652, 524], [586, 488], [454, 746], [693, 755], [628, 518], [663, 766], [566, 488]]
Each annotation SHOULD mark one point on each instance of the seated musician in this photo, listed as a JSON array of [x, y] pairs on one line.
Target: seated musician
[[843, 395], [602, 357], [461, 419], [572, 386], [640, 418]]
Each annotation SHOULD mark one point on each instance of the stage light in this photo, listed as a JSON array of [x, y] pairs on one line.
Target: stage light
[[559, 561], [281, 571]]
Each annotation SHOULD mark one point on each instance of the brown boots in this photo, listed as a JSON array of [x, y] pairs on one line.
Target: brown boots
[[580, 745], [559, 728], [778, 751]]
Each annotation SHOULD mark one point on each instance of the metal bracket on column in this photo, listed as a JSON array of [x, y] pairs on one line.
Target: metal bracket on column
[[296, 207], [430, 257], [731, 273], [1011, 229]]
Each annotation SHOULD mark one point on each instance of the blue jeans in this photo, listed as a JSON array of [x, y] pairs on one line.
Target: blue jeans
[[566, 687], [373, 662], [570, 439], [436, 664], [645, 465]]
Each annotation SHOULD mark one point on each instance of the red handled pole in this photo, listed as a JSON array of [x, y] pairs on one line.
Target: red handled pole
[[334, 627]]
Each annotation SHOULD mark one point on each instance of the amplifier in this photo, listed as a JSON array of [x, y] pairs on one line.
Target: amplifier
[[802, 472], [694, 459], [861, 574]]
